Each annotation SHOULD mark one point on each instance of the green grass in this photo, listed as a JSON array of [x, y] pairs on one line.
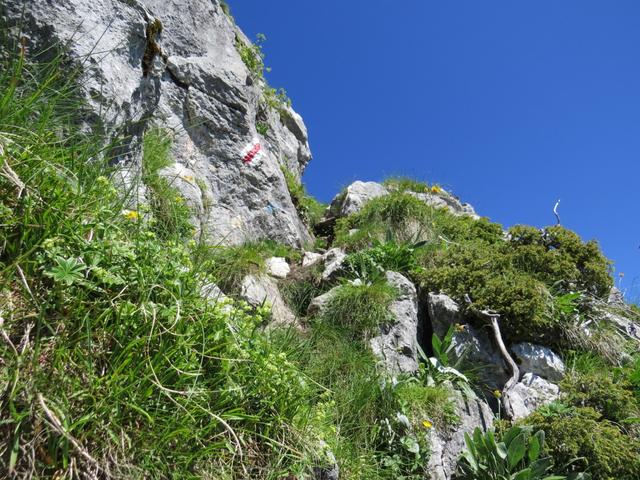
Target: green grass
[[228, 266], [108, 348], [360, 309], [309, 209]]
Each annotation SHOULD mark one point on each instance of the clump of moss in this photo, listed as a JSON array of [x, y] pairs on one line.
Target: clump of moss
[[580, 440]]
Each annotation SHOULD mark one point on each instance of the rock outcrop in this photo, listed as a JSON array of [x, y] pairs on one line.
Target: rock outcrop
[[447, 446], [176, 65], [259, 290], [539, 360], [396, 345], [355, 196]]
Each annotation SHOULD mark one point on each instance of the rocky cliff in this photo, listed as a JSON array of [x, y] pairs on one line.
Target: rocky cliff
[[177, 65]]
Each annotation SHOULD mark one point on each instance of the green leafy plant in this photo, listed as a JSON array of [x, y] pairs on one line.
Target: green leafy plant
[[373, 262], [518, 455]]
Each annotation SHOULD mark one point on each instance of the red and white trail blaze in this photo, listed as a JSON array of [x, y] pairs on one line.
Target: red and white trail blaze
[[251, 152]]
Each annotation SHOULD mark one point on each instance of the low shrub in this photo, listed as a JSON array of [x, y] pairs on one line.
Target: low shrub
[[372, 263], [579, 440]]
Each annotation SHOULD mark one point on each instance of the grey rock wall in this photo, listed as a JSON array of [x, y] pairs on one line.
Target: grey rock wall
[[174, 64]]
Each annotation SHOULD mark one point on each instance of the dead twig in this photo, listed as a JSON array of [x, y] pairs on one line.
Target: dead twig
[[57, 425], [555, 212]]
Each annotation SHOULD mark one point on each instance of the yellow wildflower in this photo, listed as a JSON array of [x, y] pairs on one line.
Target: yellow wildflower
[[435, 189], [459, 327], [497, 393], [427, 424], [131, 215]]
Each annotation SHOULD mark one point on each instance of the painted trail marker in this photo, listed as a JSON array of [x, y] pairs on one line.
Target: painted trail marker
[[252, 152]]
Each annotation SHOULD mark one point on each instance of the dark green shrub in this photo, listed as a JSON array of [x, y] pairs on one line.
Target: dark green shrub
[[612, 397], [584, 442], [559, 254]]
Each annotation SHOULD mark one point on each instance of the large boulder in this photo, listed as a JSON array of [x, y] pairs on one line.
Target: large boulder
[[538, 360], [531, 393], [333, 263], [447, 446], [175, 64], [397, 345], [469, 342]]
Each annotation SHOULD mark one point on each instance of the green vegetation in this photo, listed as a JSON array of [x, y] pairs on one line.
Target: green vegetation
[[253, 57], [360, 308], [170, 214], [581, 440], [309, 209], [517, 455], [113, 364], [227, 266]]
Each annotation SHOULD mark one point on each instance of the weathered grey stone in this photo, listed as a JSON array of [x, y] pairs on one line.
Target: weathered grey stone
[[447, 446], [396, 346], [311, 258], [277, 267], [539, 360], [354, 197], [444, 199], [333, 262], [531, 393], [174, 64], [261, 290], [468, 341], [319, 303]]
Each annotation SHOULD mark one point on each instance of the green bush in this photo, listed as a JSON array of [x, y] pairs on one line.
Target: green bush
[[372, 263], [612, 397], [579, 439], [406, 184]]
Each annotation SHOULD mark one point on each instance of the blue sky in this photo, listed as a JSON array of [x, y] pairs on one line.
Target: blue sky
[[509, 104]]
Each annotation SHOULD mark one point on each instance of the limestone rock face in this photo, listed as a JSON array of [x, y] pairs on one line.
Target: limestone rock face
[[174, 64], [447, 446], [396, 346], [333, 261], [539, 360], [531, 393]]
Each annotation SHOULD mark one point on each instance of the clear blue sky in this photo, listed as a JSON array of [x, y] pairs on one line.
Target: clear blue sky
[[510, 104]]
